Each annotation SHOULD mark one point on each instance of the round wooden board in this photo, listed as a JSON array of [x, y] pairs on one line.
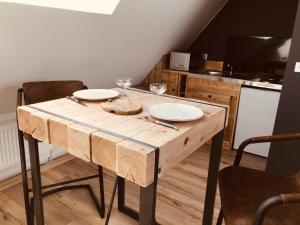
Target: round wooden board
[[122, 106]]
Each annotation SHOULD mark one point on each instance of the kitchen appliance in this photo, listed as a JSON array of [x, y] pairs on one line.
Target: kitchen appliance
[[256, 117], [257, 57], [180, 61]]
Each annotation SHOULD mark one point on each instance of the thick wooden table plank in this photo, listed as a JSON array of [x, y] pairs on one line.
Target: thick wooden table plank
[[130, 160]]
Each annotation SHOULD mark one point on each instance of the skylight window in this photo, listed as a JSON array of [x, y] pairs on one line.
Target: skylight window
[[92, 6]]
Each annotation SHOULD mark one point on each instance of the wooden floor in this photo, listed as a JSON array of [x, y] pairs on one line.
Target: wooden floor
[[179, 201]]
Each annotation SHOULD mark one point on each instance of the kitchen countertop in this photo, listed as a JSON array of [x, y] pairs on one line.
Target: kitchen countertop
[[249, 83]]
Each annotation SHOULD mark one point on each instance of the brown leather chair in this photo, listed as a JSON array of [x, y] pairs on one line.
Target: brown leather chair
[[34, 92], [250, 196]]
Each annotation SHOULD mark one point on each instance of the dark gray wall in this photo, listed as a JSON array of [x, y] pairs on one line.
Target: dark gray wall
[[246, 17], [284, 158]]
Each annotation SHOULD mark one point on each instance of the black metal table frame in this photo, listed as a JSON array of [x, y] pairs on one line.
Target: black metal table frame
[[147, 194], [146, 216], [35, 209]]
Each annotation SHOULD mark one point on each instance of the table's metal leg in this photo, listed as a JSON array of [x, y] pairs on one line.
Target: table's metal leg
[[121, 201], [212, 179], [146, 216], [147, 205], [24, 178], [36, 181], [148, 198], [121, 193]]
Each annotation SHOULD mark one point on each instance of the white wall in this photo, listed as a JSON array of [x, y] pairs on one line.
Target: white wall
[[39, 43]]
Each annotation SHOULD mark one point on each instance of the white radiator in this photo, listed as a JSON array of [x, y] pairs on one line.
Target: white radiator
[[9, 148]]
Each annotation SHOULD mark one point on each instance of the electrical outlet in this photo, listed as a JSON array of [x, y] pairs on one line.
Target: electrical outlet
[[297, 67]]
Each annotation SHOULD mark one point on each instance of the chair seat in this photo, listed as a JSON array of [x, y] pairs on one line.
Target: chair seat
[[243, 190]]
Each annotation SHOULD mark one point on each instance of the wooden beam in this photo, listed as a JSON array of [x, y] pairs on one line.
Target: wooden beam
[[79, 141], [135, 163]]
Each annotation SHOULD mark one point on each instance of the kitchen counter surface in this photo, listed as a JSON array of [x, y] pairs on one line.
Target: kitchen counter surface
[[249, 83]]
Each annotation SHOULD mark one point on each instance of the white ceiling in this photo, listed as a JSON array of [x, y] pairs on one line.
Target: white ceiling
[[38, 43], [92, 6]]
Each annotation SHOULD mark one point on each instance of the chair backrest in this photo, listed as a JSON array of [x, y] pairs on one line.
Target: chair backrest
[[35, 92]]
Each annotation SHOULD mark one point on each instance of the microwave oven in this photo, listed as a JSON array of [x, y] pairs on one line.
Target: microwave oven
[[180, 61]]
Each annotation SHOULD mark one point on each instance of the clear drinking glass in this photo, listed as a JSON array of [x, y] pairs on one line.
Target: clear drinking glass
[[124, 83], [158, 88]]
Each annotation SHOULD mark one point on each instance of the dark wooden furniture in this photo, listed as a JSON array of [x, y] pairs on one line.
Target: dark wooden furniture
[[255, 197], [35, 92]]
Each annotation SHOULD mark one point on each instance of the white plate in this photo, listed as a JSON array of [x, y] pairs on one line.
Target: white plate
[[96, 94], [175, 112]]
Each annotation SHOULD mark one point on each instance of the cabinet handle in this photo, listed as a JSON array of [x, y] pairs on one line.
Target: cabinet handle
[[209, 96]]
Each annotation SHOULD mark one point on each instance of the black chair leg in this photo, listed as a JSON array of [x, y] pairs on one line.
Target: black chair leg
[[112, 200], [25, 179], [220, 218]]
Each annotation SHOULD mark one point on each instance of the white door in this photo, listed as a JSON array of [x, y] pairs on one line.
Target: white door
[[256, 117]]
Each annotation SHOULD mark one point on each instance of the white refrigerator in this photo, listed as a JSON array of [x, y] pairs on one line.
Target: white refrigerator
[[256, 117]]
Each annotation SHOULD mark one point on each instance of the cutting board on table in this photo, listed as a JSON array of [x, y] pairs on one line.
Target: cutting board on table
[[122, 106]]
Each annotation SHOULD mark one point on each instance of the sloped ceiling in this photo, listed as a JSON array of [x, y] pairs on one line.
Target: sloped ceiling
[[38, 43]]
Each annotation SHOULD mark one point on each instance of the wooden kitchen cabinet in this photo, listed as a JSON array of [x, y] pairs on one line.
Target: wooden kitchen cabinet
[[221, 92], [172, 81], [185, 84]]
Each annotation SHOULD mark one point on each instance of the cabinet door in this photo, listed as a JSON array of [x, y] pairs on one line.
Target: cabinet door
[[172, 81], [215, 98], [217, 92]]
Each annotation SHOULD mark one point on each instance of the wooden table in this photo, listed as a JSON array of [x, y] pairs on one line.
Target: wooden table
[[136, 150]]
